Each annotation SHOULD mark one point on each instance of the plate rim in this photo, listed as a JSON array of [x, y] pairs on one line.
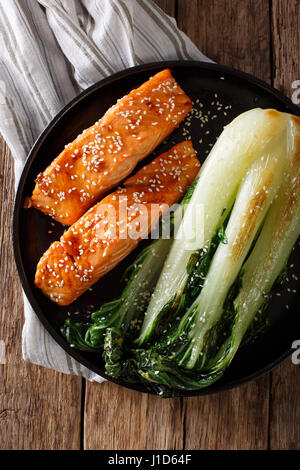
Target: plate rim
[[27, 288]]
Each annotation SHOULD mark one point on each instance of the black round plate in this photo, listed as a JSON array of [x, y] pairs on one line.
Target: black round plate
[[219, 94]]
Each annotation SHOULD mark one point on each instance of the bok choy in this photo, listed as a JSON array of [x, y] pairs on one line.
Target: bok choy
[[246, 139], [117, 322], [119, 319], [207, 294]]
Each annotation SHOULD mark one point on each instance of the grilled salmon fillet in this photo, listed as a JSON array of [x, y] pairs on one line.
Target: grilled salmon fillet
[[112, 228], [107, 152]]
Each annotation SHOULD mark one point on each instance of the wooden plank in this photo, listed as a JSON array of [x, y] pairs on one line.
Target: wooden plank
[[230, 32], [236, 34], [286, 47], [285, 407], [39, 408], [233, 33], [117, 418], [285, 379], [168, 6], [237, 419]]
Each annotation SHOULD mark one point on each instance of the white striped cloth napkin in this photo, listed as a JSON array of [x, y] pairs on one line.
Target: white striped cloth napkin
[[50, 50]]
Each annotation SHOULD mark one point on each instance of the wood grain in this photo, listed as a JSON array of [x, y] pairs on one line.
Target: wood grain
[[285, 379], [168, 6], [236, 419], [285, 407], [286, 46], [230, 32], [234, 33], [117, 418], [39, 408]]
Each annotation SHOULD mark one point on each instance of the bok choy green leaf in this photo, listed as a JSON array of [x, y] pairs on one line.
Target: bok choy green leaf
[[188, 307]]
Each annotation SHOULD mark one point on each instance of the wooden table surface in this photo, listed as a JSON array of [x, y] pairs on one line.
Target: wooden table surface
[[43, 409]]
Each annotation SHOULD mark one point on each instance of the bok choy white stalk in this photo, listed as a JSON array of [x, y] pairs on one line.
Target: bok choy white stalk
[[270, 253], [253, 200], [246, 139], [261, 230], [205, 299], [119, 319]]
